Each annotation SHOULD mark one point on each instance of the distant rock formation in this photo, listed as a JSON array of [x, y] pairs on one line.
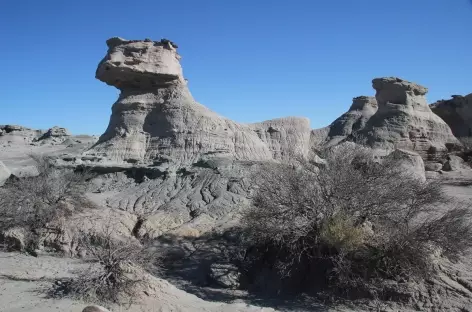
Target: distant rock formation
[[404, 120], [355, 119], [156, 116], [457, 113], [285, 135]]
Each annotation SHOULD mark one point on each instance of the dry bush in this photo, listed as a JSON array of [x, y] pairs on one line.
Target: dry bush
[[118, 269], [355, 220], [34, 203]]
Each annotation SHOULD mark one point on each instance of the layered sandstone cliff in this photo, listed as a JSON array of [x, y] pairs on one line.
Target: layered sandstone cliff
[[155, 115]]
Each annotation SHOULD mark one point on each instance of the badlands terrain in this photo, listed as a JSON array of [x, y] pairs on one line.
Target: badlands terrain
[[170, 171]]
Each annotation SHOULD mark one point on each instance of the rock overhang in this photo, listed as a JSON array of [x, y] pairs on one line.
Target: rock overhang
[[140, 64]]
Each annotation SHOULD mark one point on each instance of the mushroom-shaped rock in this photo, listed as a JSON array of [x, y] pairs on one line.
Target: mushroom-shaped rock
[[404, 120], [140, 64], [156, 117]]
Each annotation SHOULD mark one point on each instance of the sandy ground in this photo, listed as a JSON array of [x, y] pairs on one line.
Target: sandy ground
[[24, 281]]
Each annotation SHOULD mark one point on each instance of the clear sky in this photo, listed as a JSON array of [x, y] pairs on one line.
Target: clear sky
[[249, 60]]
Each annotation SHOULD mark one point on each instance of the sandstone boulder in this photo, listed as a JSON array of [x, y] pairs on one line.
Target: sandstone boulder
[[457, 113], [5, 173], [455, 163], [411, 162], [433, 166], [404, 120]]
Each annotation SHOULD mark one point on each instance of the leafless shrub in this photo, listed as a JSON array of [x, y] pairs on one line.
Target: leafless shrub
[[35, 202], [356, 220], [117, 270]]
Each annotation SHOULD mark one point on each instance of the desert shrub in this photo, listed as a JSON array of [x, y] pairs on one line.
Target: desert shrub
[[118, 268], [349, 223], [34, 203]]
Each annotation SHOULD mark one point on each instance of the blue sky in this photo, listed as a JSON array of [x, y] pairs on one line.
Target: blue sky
[[249, 60]]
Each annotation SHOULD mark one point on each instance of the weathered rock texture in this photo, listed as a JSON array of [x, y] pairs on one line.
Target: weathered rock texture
[[411, 162], [4, 173], [355, 119], [457, 113], [156, 115], [404, 120], [285, 136]]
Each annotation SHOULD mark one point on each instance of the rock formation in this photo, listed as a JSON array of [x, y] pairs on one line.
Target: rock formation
[[457, 113], [355, 119], [285, 136], [4, 173], [410, 161], [155, 115], [404, 120]]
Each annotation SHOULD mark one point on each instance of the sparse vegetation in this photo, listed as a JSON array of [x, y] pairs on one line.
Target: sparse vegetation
[[117, 269], [350, 224], [35, 203]]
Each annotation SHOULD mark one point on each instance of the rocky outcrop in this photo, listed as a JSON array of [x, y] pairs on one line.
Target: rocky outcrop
[[285, 137], [5, 173], [318, 137], [17, 135], [455, 163], [457, 113], [404, 120], [55, 132], [355, 119], [410, 162], [155, 115]]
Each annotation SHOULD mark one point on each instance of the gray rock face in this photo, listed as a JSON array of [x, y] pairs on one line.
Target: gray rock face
[[404, 120], [155, 114], [56, 132], [4, 173], [457, 113], [225, 275], [410, 161], [455, 163], [355, 119], [285, 136]]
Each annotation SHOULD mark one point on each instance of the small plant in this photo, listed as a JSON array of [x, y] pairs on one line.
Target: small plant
[[35, 203], [117, 271]]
